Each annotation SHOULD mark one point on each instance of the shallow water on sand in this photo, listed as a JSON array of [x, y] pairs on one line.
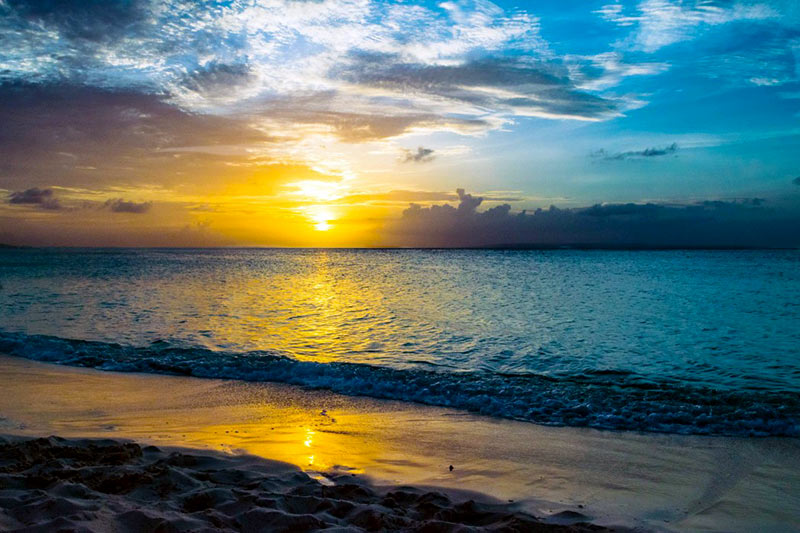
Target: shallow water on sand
[[674, 482], [677, 341]]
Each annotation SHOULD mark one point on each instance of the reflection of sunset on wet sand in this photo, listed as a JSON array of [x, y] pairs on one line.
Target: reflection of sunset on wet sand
[[611, 476]]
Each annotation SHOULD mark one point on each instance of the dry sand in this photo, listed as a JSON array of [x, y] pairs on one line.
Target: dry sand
[[655, 482]]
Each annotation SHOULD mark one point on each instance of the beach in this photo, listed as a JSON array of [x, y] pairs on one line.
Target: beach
[[559, 475], [398, 265], [109, 485]]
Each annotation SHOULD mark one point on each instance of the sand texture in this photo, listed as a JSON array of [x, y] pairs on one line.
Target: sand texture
[[55, 484]]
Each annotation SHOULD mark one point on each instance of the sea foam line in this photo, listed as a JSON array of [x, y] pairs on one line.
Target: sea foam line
[[598, 402]]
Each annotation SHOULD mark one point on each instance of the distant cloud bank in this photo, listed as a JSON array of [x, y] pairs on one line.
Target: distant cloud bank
[[745, 222], [46, 199]]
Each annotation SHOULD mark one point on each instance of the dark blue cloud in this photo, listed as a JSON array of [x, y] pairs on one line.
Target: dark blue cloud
[[44, 198], [219, 78], [716, 223], [82, 20], [647, 152], [119, 205]]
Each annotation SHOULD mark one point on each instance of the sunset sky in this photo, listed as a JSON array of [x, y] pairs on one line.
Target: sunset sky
[[318, 123]]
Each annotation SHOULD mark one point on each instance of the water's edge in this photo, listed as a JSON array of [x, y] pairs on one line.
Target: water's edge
[[599, 400]]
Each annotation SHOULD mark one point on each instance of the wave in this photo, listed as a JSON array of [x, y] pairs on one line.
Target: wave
[[597, 399]]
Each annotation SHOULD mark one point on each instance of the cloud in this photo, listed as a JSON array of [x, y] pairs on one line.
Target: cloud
[[76, 119], [660, 23], [119, 205], [647, 152], [464, 61], [513, 85], [745, 222], [43, 198], [46, 199], [733, 42], [115, 136], [609, 69], [421, 155], [405, 197], [82, 20], [215, 79]]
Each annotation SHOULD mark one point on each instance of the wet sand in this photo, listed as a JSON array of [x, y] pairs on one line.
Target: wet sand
[[665, 482], [100, 485]]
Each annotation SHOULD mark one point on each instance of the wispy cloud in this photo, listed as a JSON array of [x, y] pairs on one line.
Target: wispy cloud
[[609, 69], [515, 86], [659, 23], [647, 152]]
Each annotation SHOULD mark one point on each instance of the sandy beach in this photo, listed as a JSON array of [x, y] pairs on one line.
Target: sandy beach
[[559, 475], [55, 484]]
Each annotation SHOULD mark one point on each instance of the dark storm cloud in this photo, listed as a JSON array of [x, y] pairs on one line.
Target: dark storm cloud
[[119, 205], [647, 152], [43, 198], [88, 20], [521, 86], [711, 223], [421, 155]]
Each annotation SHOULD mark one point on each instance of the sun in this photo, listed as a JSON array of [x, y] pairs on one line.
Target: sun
[[321, 216]]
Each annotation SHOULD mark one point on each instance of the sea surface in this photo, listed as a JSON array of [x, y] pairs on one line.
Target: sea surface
[[694, 342]]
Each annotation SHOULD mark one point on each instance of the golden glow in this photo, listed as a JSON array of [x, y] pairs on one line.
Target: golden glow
[[317, 190], [321, 216], [245, 202]]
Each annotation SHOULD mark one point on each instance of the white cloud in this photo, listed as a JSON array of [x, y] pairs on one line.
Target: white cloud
[[660, 23]]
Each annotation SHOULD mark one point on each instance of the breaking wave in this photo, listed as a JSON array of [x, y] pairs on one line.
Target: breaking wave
[[602, 399]]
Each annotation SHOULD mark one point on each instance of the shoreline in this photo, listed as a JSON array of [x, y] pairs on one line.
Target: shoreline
[[654, 482], [598, 400]]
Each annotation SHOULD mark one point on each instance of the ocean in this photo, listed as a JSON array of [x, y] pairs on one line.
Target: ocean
[[690, 342]]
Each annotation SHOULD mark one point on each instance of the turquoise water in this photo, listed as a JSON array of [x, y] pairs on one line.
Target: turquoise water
[[701, 342]]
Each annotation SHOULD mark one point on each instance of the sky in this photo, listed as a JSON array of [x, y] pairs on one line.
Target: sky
[[378, 123]]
